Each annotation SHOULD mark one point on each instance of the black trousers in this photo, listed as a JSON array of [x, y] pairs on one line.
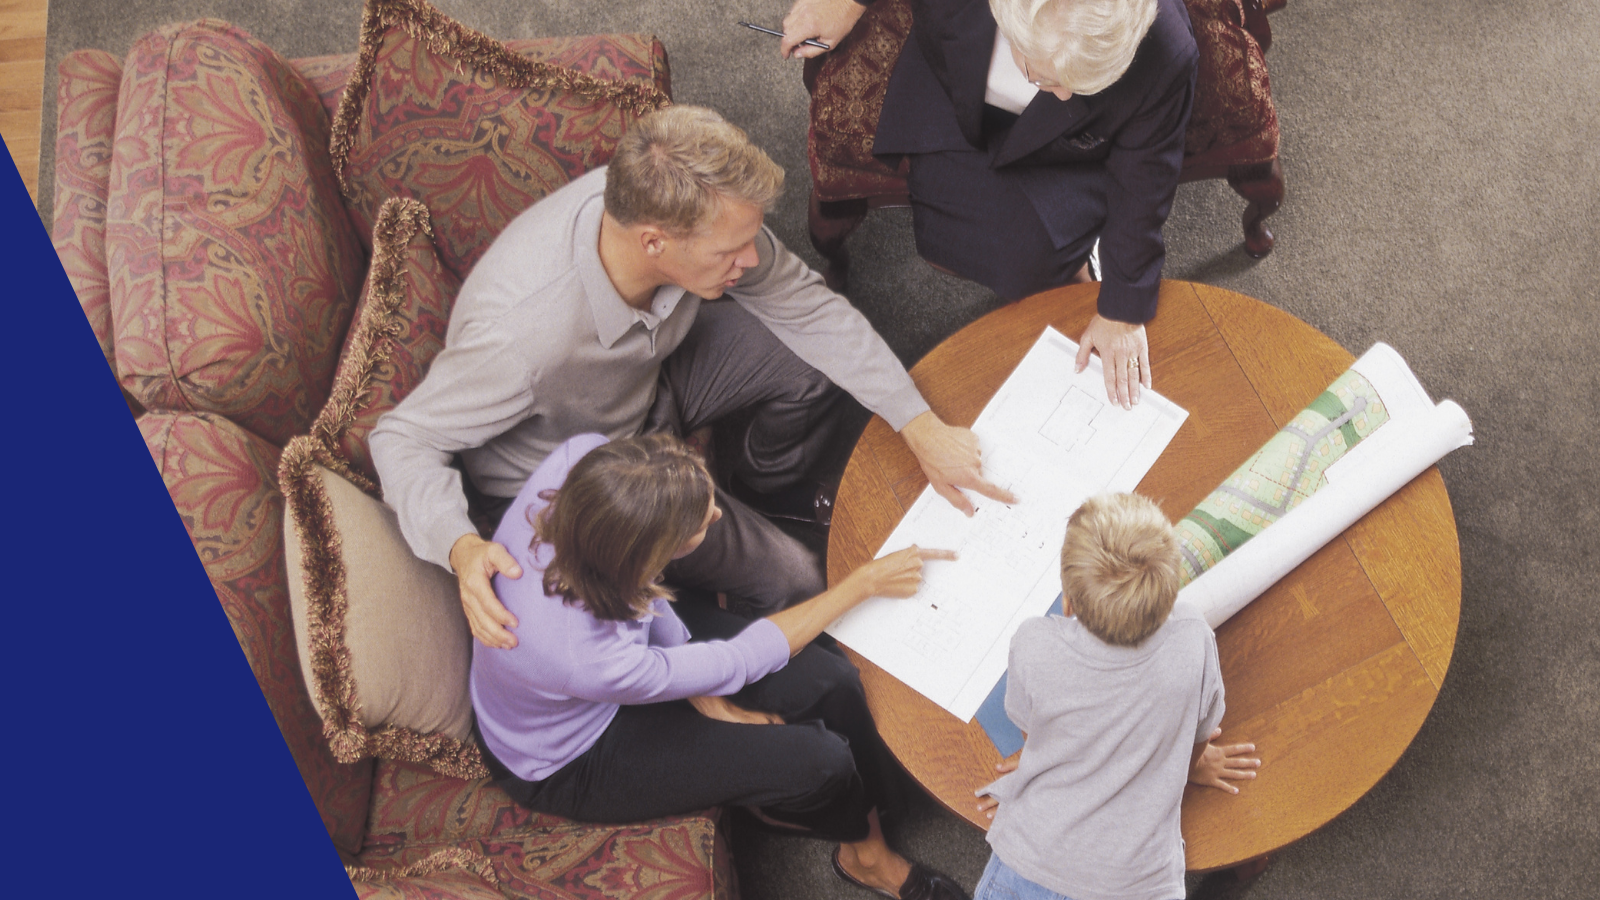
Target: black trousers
[[778, 415], [823, 771], [979, 224]]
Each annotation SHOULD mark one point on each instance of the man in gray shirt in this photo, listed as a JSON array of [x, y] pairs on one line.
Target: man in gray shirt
[[586, 315]]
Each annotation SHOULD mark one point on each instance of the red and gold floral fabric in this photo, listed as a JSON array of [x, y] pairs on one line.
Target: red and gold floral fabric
[[86, 104], [439, 113], [443, 885], [1234, 121], [847, 88], [223, 481], [416, 813], [399, 328], [233, 268], [326, 76]]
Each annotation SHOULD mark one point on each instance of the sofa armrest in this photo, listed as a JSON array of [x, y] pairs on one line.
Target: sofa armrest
[[86, 101]]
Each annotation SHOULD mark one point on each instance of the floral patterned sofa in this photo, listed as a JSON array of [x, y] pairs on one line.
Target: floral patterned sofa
[[216, 210]]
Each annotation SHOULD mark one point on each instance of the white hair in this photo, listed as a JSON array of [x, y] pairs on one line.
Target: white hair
[[1089, 43]]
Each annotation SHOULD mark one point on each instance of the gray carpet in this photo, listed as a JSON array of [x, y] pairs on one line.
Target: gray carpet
[[1444, 196]]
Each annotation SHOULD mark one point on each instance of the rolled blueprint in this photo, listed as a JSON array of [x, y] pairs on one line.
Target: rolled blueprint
[[1372, 431]]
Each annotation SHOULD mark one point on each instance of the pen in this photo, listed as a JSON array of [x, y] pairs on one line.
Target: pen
[[808, 41]]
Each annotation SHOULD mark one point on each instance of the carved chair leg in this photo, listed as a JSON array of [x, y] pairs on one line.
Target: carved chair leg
[[1262, 185], [830, 224]]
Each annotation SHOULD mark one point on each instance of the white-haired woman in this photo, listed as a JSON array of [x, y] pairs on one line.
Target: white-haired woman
[[1035, 127]]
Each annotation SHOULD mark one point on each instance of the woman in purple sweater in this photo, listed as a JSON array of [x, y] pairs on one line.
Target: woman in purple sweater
[[606, 711]]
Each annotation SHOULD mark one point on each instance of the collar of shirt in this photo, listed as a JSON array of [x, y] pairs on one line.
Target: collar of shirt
[[613, 317], [1008, 88], [661, 306]]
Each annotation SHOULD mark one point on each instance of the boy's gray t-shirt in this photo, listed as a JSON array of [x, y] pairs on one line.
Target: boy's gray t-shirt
[[1092, 810]]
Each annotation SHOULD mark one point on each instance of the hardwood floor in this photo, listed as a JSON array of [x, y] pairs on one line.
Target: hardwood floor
[[22, 28]]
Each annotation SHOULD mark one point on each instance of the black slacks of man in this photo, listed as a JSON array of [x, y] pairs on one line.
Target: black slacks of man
[[732, 371], [823, 771]]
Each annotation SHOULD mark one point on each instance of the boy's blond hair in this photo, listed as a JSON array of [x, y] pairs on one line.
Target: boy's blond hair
[[1119, 567], [674, 165]]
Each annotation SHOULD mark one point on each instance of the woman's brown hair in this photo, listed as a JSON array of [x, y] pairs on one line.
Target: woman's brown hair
[[615, 523]]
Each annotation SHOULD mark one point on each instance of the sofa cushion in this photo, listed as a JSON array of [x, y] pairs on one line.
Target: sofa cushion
[[234, 269], [442, 114], [399, 328], [223, 482], [451, 884], [326, 76], [415, 813], [86, 110], [382, 639], [451, 874]]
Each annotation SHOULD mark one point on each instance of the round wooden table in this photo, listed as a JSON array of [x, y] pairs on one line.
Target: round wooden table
[[1330, 673]]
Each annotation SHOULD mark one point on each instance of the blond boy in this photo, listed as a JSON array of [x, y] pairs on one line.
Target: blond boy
[[1119, 701]]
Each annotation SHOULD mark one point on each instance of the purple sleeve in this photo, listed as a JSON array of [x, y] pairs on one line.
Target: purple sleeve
[[666, 629], [628, 673]]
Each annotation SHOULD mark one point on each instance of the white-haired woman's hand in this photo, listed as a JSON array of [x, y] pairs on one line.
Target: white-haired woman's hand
[[827, 21], [1124, 357]]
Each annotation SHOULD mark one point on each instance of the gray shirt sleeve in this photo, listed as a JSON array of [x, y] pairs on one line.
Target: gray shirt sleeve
[[475, 391], [823, 329], [1019, 709], [1211, 693]]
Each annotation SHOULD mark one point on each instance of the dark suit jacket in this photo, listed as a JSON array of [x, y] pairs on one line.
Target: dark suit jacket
[[1125, 142]]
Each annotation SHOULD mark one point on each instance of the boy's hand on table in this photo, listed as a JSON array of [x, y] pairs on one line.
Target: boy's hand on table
[[1215, 765], [724, 710], [987, 804]]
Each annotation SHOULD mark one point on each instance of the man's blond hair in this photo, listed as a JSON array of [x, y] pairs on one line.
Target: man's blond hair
[[1089, 43], [675, 165], [1119, 567]]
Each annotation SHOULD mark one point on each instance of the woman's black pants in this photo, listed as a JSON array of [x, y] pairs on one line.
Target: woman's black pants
[[823, 771]]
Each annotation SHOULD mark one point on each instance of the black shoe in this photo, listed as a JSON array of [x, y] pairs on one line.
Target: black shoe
[[922, 884], [809, 503]]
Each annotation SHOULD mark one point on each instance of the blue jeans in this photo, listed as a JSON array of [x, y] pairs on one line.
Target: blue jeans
[[1000, 883]]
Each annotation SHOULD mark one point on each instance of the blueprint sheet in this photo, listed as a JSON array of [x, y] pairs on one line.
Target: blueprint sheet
[[1053, 439]]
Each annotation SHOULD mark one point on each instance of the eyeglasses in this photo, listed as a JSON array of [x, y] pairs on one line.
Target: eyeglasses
[[1036, 82]]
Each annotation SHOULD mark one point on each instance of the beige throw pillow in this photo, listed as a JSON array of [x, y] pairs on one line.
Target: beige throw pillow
[[383, 642]]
